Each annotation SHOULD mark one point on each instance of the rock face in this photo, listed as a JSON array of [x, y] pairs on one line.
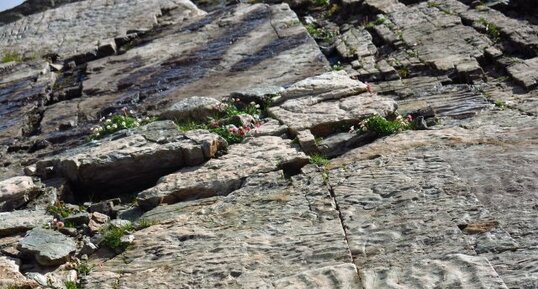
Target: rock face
[[56, 31], [227, 173], [48, 247], [320, 103], [398, 151], [136, 158], [291, 234]]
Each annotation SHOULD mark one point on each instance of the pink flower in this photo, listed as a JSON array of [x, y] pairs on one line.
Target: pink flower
[[409, 118], [369, 87]]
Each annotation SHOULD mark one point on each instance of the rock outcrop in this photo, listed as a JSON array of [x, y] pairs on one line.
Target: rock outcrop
[[349, 144]]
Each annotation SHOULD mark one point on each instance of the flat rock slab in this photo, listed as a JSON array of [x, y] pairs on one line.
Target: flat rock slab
[[222, 175], [343, 276], [64, 30], [49, 247], [526, 73], [229, 50], [453, 271], [323, 102], [135, 157], [400, 193], [270, 229], [15, 222], [17, 191]]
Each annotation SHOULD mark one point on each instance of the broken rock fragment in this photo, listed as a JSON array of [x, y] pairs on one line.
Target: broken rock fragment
[[48, 247]]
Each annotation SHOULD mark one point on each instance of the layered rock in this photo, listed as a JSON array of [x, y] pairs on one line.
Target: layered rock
[[269, 229], [225, 174], [135, 158], [324, 102]]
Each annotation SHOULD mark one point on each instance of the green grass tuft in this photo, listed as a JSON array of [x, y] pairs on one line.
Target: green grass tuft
[[9, 56], [112, 236], [319, 160]]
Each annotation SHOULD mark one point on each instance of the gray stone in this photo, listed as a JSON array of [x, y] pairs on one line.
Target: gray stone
[[125, 162], [250, 241], [525, 73], [343, 276], [48, 247], [17, 191], [327, 101], [15, 222], [194, 108], [58, 30], [78, 219], [259, 95], [225, 174]]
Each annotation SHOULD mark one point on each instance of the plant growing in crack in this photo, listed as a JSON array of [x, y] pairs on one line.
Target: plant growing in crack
[[382, 127], [113, 123], [237, 120], [112, 236], [492, 30]]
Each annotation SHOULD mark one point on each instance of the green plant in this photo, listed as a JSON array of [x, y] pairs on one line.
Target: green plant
[[145, 223], [492, 30], [10, 55], [227, 134], [116, 123], [433, 4], [403, 72], [321, 2], [319, 160], [190, 125], [500, 104], [71, 285], [60, 210], [335, 8], [382, 126], [112, 236], [376, 22], [84, 269], [337, 66], [321, 34]]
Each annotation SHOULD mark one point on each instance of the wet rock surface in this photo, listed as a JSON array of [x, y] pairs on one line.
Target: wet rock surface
[[394, 146]]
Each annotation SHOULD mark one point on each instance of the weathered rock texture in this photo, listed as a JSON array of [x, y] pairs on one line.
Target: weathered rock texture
[[136, 159], [227, 173], [452, 205], [49, 247]]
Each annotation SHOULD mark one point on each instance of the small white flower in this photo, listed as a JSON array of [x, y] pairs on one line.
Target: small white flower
[[123, 124], [108, 120], [131, 111], [102, 119], [257, 106], [115, 126]]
